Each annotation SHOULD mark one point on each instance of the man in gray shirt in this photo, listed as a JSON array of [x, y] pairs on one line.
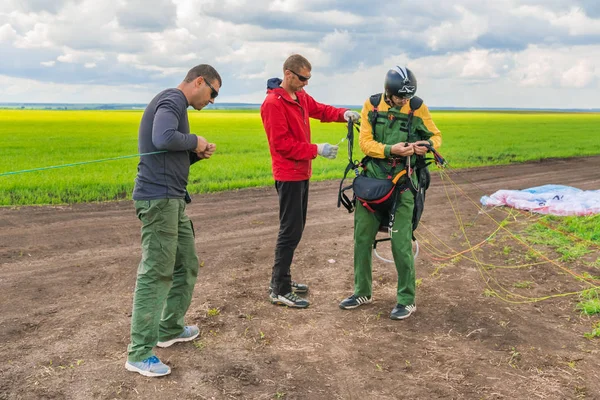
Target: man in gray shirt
[[167, 273]]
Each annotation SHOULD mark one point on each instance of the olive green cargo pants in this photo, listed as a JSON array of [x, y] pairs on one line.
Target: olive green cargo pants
[[166, 275]]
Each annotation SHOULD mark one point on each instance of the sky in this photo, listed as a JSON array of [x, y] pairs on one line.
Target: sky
[[464, 53]]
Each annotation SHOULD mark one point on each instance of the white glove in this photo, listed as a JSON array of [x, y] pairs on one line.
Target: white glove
[[327, 150], [351, 115]]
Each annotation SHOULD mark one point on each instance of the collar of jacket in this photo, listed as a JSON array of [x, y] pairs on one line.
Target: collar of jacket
[[273, 86], [286, 96]]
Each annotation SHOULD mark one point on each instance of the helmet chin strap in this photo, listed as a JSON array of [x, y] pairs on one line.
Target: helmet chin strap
[[390, 102], [388, 99]]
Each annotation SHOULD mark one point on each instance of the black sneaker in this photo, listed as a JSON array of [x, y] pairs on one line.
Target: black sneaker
[[296, 287], [355, 301], [291, 300], [402, 312]]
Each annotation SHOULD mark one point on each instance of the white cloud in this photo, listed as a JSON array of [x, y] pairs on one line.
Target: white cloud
[[341, 18], [575, 21], [7, 33], [284, 6], [470, 65], [533, 11], [66, 58], [579, 76], [557, 67], [147, 16], [336, 49], [465, 53], [29, 6], [457, 33], [37, 37], [481, 64], [23, 22], [536, 74], [80, 57], [251, 60]]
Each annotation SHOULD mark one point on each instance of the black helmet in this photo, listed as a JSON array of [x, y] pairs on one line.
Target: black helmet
[[401, 82]]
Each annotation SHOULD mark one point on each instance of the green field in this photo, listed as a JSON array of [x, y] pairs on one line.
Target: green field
[[33, 139]]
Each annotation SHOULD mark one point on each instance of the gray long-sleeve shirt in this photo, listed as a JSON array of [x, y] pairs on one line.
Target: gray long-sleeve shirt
[[165, 126]]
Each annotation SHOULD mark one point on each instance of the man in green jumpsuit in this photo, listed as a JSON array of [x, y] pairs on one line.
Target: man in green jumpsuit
[[389, 145]]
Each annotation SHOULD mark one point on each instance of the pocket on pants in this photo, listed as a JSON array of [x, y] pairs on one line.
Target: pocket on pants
[[149, 208]]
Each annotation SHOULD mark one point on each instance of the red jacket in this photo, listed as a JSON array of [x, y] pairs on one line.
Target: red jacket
[[288, 130]]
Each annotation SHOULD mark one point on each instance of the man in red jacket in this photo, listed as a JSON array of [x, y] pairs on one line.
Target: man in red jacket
[[285, 114]]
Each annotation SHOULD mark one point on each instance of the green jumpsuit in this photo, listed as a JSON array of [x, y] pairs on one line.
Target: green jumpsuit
[[391, 127]]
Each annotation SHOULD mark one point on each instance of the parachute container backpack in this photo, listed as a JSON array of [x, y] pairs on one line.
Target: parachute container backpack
[[381, 194]]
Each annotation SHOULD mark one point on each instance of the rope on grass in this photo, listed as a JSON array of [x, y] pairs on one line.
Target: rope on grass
[[591, 282], [79, 163], [494, 287]]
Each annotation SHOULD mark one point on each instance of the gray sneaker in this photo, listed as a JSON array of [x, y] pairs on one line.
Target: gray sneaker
[[151, 366], [296, 287], [299, 287], [290, 299], [189, 333]]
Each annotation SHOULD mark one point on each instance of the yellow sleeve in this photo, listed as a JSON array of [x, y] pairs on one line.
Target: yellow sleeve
[[368, 144], [436, 138]]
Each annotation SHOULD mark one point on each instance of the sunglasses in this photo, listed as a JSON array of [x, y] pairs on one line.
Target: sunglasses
[[214, 93], [302, 78]]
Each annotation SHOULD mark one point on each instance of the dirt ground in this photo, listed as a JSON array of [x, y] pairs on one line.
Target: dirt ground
[[67, 276]]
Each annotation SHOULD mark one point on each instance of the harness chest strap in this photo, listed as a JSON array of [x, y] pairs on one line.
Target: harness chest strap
[[415, 103]]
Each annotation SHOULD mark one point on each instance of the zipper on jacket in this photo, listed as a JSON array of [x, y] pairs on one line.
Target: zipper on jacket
[[298, 104], [303, 116]]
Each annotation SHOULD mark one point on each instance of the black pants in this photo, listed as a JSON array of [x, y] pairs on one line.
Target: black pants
[[293, 203]]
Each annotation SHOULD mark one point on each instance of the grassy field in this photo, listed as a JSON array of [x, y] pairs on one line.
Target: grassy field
[[33, 139]]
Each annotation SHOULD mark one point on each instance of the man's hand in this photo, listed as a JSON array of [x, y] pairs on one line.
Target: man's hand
[[327, 150], [210, 149], [403, 149], [202, 145], [421, 150], [351, 115]]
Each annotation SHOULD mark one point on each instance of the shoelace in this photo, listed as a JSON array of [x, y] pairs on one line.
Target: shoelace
[[292, 296]]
